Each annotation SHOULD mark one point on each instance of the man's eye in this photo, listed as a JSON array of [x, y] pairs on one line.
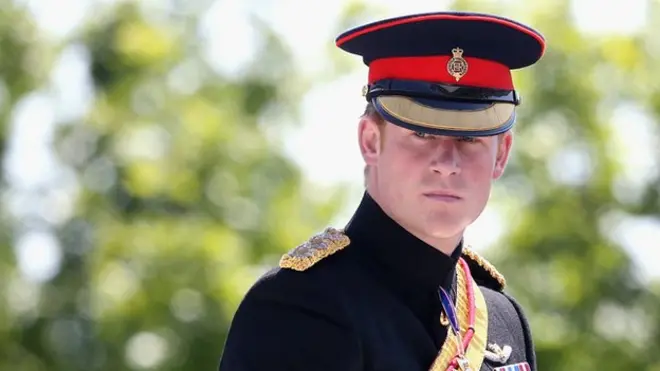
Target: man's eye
[[419, 134], [467, 139]]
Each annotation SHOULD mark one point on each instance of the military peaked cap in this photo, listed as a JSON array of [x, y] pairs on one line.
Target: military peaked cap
[[445, 73]]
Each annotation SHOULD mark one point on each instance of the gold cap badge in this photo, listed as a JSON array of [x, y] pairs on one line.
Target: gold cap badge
[[457, 66]]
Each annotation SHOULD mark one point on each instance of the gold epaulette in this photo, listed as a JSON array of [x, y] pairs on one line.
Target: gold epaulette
[[320, 246], [489, 268]]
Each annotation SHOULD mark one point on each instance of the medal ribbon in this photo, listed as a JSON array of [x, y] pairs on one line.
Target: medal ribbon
[[460, 352], [450, 312]]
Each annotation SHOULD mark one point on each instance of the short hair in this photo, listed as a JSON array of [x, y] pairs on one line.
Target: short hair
[[371, 112]]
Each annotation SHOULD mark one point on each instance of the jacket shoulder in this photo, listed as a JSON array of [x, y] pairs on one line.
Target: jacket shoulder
[[483, 272], [293, 281], [292, 320], [315, 249]]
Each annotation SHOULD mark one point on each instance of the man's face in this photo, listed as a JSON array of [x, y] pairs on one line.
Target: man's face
[[434, 186]]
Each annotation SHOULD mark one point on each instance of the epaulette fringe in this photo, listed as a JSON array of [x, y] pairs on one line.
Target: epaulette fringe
[[485, 265], [317, 248]]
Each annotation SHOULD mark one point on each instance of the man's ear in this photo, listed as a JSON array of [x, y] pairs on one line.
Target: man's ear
[[504, 144], [369, 137]]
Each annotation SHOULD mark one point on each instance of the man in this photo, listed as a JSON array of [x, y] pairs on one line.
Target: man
[[397, 289]]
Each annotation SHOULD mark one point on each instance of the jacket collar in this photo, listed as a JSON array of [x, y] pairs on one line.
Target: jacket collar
[[408, 262]]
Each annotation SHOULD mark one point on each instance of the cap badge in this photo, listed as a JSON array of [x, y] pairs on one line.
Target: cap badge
[[457, 66]]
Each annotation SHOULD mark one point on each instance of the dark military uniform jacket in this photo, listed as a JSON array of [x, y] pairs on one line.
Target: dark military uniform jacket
[[366, 298]]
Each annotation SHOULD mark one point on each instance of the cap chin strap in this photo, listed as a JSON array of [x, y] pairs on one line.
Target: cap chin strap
[[430, 90]]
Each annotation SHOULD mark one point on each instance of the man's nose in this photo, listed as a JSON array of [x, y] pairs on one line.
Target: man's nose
[[446, 158]]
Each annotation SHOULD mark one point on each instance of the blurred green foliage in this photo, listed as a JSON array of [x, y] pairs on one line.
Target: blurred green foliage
[[183, 198]]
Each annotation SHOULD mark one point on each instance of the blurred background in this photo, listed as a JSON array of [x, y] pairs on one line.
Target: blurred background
[[157, 156]]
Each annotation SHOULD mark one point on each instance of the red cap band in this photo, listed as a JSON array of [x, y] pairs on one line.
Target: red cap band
[[480, 73]]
